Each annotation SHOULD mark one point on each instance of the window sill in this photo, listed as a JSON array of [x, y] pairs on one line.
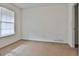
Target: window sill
[[3, 36]]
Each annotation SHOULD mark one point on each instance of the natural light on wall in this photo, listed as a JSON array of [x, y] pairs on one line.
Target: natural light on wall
[[7, 21]]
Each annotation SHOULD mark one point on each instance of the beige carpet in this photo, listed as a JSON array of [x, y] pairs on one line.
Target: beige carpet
[[34, 48]]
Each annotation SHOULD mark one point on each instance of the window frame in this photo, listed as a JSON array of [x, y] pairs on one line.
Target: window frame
[[6, 22]]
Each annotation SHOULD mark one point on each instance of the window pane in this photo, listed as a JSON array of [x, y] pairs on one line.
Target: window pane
[[4, 32], [6, 15], [10, 16], [12, 31], [3, 14], [7, 26], [6, 22], [0, 13], [7, 32]]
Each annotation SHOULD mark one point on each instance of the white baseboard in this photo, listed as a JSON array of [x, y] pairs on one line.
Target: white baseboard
[[48, 41], [71, 45], [44, 37], [43, 40], [49, 38]]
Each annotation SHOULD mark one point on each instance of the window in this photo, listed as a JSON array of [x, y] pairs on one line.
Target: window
[[6, 22]]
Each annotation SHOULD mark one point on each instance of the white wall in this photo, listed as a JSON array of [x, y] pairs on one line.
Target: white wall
[[46, 23], [8, 40], [71, 24]]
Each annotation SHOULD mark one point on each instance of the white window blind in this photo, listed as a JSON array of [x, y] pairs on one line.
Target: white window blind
[[6, 22]]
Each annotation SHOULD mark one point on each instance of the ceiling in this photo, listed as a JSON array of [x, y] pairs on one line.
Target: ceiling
[[30, 5]]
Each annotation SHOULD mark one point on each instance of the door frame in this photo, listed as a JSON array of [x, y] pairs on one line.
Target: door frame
[[76, 25]]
